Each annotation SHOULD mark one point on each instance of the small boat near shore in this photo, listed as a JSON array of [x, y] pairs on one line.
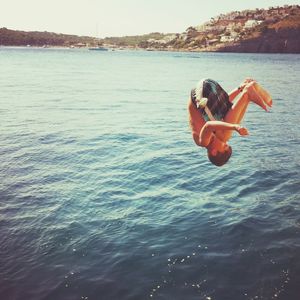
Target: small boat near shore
[[98, 48]]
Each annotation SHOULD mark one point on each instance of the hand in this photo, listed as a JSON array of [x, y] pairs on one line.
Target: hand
[[246, 82], [249, 85], [242, 130]]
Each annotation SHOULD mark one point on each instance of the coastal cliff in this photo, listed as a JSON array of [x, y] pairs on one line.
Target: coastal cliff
[[281, 37], [275, 30]]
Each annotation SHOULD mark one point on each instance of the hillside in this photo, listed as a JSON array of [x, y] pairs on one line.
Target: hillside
[[280, 37], [273, 30], [134, 41], [22, 38]]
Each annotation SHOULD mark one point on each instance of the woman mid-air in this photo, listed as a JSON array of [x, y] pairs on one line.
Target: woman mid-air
[[213, 115]]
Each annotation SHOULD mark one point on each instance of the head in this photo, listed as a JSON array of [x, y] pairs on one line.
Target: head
[[219, 158]]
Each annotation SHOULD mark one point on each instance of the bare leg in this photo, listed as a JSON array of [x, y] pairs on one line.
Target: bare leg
[[263, 94], [235, 115], [255, 97], [238, 110]]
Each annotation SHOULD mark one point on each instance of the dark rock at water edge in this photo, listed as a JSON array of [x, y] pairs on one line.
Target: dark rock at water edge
[[286, 40]]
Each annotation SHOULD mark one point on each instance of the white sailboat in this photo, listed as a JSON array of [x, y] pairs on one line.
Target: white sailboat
[[99, 47]]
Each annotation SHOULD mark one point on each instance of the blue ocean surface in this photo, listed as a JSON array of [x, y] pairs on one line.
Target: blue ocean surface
[[104, 195]]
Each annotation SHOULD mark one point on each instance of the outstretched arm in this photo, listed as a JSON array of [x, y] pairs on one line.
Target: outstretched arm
[[208, 129]]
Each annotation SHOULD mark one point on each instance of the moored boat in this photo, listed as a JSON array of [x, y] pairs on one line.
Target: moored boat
[[99, 48]]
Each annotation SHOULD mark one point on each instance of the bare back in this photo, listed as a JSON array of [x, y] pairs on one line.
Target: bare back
[[196, 121]]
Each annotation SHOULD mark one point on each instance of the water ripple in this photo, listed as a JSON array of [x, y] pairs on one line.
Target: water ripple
[[105, 196]]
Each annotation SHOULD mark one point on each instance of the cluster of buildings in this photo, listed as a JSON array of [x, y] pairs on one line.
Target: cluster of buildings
[[225, 28]]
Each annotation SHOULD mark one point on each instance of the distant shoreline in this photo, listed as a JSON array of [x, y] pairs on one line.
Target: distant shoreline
[[273, 30], [137, 50]]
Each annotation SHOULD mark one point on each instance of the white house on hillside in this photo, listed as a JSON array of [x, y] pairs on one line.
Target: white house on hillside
[[225, 39], [252, 23]]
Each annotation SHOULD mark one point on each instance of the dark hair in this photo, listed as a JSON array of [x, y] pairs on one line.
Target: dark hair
[[221, 158]]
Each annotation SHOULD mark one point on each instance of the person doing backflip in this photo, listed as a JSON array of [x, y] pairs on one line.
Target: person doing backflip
[[214, 115]]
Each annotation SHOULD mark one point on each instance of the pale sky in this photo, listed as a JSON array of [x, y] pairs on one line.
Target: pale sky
[[103, 18]]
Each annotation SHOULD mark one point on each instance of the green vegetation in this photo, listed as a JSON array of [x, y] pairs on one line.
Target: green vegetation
[[22, 38], [133, 41]]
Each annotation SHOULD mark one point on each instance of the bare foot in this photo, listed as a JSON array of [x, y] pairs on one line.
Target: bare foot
[[264, 94], [255, 97]]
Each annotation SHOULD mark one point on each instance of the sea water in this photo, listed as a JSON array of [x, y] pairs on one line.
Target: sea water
[[104, 195]]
